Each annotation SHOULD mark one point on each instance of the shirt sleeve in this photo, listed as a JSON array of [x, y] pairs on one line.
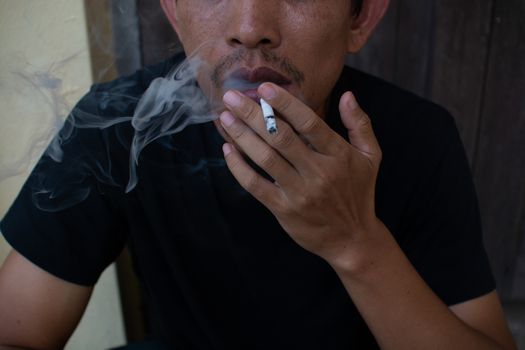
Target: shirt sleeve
[[443, 234], [66, 218]]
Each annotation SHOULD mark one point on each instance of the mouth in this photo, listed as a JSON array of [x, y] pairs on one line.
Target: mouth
[[248, 80]]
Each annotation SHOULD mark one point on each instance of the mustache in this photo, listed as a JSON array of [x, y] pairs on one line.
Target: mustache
[[282, 64]]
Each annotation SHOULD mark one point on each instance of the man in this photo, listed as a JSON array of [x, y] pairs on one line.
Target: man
[[344, 240]]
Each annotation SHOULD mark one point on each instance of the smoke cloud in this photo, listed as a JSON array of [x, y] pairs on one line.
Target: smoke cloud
[[68, 172], [170, 104]]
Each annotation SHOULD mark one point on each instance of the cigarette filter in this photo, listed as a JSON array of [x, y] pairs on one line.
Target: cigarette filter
[[269, 117]]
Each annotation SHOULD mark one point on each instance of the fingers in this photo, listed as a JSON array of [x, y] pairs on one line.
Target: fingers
[[302, 119], [285, 142], [263, 190], [258, 150], [360, 132]]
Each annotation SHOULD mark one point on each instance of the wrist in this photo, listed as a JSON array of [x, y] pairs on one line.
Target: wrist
[[365, 253]]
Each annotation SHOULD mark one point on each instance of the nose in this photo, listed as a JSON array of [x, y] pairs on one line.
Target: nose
[[254, 24]]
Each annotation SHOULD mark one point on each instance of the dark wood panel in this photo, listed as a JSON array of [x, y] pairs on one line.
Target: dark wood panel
[[400, 49], [158, 39], [415, 39], [500, 158], [462, 34], [126, 36], [378, 57], [98, 20]]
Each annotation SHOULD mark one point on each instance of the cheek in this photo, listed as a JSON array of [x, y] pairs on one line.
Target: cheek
[[323, 69], [193, 34]]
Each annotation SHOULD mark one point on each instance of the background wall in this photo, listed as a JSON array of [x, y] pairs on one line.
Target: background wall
[[45, 67]]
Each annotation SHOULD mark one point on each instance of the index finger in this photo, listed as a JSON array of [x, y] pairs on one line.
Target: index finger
[[302, 119]]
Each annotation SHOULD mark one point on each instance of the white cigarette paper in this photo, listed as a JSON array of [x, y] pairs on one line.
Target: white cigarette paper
[[269, 117]]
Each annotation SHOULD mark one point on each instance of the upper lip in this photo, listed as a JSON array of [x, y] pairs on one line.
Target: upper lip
[[261, 74]]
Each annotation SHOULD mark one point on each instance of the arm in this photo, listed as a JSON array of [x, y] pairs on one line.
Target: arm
[[404, 313], [38, 309], [323, 196]]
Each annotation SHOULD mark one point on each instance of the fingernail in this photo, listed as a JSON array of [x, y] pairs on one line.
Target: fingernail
[[226, 149], [232, 99], [352, 102], [267, 91], [227, 118]]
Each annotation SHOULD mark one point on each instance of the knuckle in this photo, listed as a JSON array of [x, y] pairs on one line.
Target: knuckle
[[283, 209], [328, 178], [284, 104], [237, 131], [284, 138], [251, 113], [251, 183], [308, 125], [233, 163], [364, 122], [268, 159], [304, 201], [379, 156]]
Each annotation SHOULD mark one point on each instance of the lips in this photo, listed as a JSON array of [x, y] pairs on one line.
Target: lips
[[248, 80], [259, 75]]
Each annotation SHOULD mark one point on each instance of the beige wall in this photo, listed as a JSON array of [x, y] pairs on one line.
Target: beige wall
[[44, 68]]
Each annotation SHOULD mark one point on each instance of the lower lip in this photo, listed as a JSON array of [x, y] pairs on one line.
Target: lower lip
[[252, 93]]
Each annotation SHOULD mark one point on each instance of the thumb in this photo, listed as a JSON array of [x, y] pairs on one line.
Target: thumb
[[360, 132]]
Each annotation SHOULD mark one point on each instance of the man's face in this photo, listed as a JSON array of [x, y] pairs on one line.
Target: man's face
[[298, 44]]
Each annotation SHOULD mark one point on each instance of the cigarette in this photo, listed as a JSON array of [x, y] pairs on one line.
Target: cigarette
[[269, 117]]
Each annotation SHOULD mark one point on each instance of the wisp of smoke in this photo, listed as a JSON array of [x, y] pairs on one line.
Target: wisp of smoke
[[167, 107], [169, 104], [73, 164]]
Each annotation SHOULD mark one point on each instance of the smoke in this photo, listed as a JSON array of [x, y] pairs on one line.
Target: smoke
[[67, 173], [167, 107], [81, 151], [70, 169]]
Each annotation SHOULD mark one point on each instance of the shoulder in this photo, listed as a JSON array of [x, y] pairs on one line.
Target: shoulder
[[391, 105], [406, 125], [98, 135]]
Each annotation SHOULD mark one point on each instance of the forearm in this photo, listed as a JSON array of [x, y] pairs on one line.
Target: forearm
[[399, 308]]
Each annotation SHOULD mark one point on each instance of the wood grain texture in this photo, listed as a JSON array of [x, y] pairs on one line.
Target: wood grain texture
[[158, 39], [98, 19], [462, 33], [378, 57], [414, 47], [499, 164]]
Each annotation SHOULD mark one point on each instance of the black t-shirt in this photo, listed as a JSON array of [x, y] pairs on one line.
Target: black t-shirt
[[217, 270]]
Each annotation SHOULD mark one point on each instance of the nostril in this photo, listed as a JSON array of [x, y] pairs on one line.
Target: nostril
[[235, 41]]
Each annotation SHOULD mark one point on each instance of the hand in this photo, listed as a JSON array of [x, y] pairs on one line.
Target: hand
[[323, 193]]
